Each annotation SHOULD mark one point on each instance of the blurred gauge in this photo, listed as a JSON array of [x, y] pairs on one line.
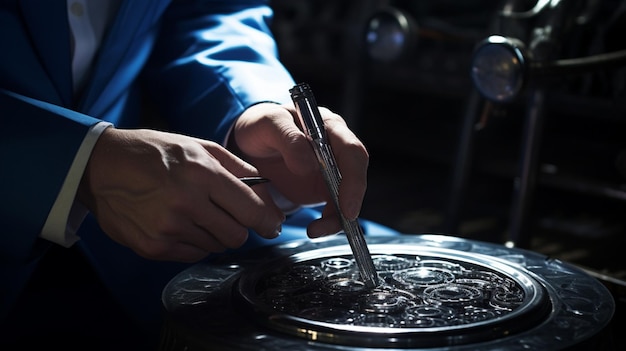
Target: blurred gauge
[[499, 68], [390, 34]]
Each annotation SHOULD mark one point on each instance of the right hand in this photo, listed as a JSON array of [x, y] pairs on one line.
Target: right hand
[[173, 197]]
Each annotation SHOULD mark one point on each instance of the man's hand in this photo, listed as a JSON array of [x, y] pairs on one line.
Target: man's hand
[[269, 138], [173, 197]]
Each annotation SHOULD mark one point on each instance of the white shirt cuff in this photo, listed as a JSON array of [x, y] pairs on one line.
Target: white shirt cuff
[[67, 214]]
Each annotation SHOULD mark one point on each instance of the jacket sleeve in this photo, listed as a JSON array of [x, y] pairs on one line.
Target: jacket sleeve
[[34, 164], [214, 59]]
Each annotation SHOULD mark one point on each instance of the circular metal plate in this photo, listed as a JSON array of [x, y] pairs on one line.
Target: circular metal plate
[[428, 297], [513, 299]]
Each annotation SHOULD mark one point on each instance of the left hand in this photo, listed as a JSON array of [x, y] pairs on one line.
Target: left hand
[[268, 137]]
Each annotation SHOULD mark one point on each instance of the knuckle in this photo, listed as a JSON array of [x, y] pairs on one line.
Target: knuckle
[[237, 239], [262, 222], [165, 225], [256, 218], [177, 202]]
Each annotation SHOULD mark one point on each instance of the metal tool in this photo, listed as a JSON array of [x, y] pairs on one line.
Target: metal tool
[[313, 126], [250, 181]]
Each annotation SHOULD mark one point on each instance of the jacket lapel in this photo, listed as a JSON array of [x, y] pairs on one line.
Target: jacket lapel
[[121, 49], [47, 23]]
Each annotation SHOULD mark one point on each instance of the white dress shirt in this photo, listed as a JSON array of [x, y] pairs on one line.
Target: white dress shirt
[[87, 20]]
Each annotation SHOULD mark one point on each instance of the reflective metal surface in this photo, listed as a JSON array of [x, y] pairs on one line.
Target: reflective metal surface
[[390, 35], [438, 292], [499, 68], [428, 297]]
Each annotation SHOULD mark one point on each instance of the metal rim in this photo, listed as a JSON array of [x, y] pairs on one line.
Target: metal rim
[[202, 312], [532, 311]]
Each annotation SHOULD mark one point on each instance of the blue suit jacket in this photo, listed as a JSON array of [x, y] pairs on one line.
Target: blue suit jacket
[[203, 63]]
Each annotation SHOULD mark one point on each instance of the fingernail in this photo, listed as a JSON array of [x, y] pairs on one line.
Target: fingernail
[[278, 230]]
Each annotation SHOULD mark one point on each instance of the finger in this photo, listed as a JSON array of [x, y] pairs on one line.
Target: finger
[[228, 160], [213, 230], [238, 205], [352, 160], [273, 132], [219, 229], [181, 252], [186, 243], [190, 221], [294, 147], [246, 207], [206, 238], [328, 224]]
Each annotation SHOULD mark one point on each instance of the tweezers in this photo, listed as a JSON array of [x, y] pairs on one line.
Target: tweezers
[[251, 181]]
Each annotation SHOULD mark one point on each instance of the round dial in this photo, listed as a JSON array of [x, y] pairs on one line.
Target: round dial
[[498, 68], [389, 35]]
